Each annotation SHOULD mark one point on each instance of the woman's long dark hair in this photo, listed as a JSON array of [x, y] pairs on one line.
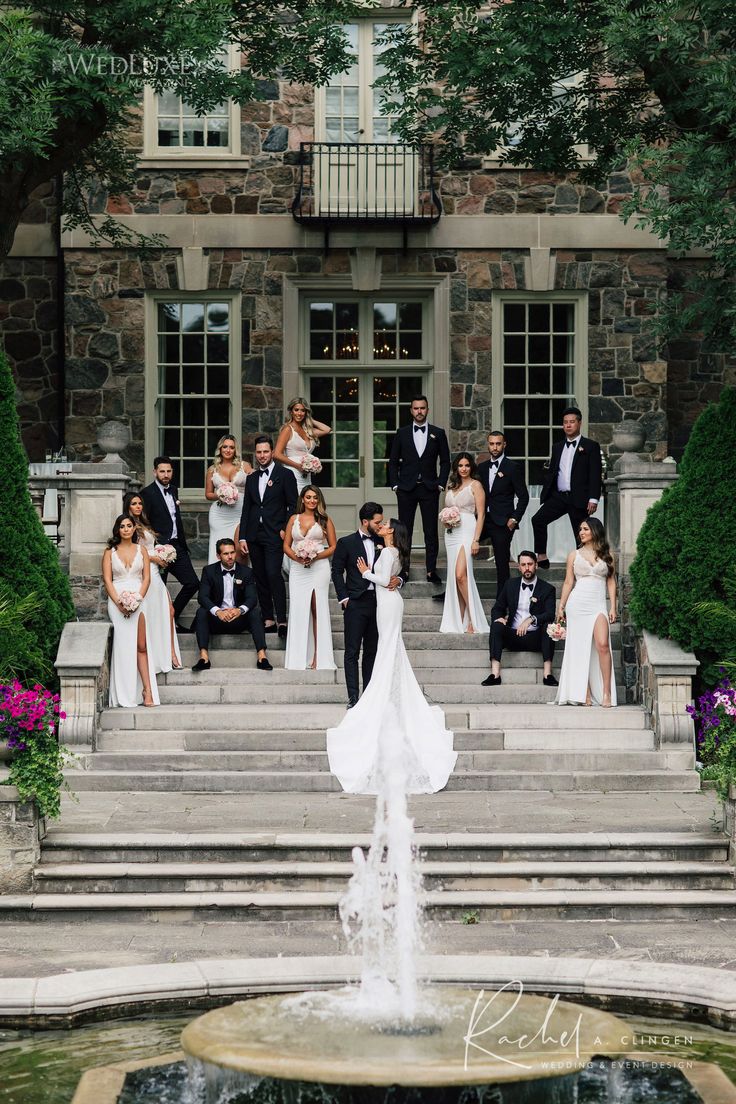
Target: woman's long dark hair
[[115, 539], [599, 542], [142, 522], [454, 481], [401, 542], [320, 513]]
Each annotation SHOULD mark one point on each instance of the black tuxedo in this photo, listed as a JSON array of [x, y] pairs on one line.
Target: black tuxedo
[[585, 484], [211, 594], [158, 514], [508, 485], [261, 525], [542, 607], [418, 481]]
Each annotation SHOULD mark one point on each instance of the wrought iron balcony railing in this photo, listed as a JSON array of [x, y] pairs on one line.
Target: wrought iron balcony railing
[[370, 183]]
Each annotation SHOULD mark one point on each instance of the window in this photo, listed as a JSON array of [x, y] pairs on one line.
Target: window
[[366, 329], [538, 371], [348, 110], [562, 88], [194, 382]]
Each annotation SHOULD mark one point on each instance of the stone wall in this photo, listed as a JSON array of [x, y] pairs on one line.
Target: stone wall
[[21, 832]]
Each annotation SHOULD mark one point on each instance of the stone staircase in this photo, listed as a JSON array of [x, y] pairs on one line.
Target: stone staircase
[[237, 730]]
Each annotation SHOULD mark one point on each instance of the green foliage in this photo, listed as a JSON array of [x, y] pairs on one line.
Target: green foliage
[[549, 84], [685, 542], [714, 714], [29, 563], [28, 723], [72, 76], [21, 656]]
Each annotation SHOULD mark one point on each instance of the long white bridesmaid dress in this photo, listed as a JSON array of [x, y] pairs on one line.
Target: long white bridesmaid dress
[[455, 539], [224, 519], [158, 615], [392, 727], [126, 688], [303, 583], [580, 664], [296, 449]]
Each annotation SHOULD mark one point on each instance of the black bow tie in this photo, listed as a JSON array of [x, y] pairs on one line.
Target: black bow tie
[[167, 490], [366, 536], [495, 463], [263, 471], [527, 586], [420, 429], [569, 444], [226, 572]]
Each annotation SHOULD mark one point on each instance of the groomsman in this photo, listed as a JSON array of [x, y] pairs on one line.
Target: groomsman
[[417, 451], [228, 604], [519, 620], [161, 502], [572, 484], [269, 500], [507, 498]]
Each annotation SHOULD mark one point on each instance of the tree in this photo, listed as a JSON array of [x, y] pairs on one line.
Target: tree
[[29, 564], [682, 559], [651, 82], [72, 74]]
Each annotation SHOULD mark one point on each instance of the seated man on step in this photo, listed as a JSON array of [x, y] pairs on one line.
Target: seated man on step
[[228, 604], [519, 620]]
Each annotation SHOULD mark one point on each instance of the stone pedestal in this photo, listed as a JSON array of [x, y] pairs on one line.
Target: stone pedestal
[[83, 666], [666, 674], [635, 483], [21, 832]]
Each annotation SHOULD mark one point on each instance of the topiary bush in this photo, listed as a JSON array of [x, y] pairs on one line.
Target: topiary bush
[[685, 546], [29, 563]]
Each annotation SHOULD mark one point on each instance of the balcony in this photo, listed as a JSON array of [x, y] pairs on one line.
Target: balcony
[[385, 184]]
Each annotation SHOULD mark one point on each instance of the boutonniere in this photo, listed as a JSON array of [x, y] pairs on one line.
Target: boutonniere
[[432, 436], [499, 474], [580, 448], [178, 503], [238, 582], [532, 601], [270, 483]]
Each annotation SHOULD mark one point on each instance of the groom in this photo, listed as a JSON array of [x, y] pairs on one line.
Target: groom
[[357, 596]]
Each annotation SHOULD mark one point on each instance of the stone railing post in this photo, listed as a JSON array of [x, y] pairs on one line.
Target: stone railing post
[[634, 484], [666, 674], [21, 832], [83, 666]]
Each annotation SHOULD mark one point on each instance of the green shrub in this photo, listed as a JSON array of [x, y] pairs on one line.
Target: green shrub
[[29, 563], [686, 542], [21, 656]]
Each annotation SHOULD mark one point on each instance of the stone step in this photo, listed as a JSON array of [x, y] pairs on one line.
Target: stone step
[[419, 639], [449, 905], [251, 679], [240, 655], [311, 781], [262, 717], [61, 846], [475, 758], [243, 877]]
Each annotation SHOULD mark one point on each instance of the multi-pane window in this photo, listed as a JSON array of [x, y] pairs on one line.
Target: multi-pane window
[[193, 373], [538, 377], [348, 109], [335, 400], [367, 330], [391, 398], [180, 127]]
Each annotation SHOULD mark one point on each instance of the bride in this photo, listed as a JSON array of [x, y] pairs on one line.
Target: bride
[[586, 677], [392, 711]]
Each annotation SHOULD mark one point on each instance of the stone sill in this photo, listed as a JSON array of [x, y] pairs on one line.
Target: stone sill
[[208, 161], [667, 657]]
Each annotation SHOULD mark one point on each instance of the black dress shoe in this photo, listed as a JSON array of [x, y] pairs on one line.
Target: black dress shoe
[[202, 665], [439, 597], [283, 630], [264, 665], [543, 564], [182, 630], [550, 680], [352, 702], [433, 577], [270, 628], [492, 680]]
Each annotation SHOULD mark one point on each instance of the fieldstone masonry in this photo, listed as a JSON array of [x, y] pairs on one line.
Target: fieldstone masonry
[[21, 832]]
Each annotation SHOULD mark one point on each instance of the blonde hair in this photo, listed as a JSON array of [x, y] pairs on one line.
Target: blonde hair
[[237, 458], [308, 423]]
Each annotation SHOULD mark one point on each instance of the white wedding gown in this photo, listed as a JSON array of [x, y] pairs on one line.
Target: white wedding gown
[[580, 664], [303, 583], [156, 608], [455, 539], [392, 709], [224, 519], [126, 688]]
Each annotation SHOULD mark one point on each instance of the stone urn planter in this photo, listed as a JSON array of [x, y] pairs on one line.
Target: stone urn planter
[[629, 436], [112, 438]]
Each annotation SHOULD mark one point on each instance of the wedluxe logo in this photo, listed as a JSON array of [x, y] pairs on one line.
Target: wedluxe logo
[[116, 65]]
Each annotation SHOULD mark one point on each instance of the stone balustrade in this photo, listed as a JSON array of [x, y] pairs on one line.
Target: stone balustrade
[[83, 666], [665, 675]]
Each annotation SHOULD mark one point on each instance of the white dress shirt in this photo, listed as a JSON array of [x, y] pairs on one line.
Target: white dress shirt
[[263, 481], [370, 553], [228, 595], [420, 434], [493, 472], [168, 496], [564, 474], [525, 602]]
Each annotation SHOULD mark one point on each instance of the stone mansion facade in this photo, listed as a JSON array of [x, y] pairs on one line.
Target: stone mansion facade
[[307, 254]]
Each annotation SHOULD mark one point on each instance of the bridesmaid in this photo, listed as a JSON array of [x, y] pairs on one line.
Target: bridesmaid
[[299, 437], [463, 610], [309, 639], [227, 467], [125, 567], [158, 605]]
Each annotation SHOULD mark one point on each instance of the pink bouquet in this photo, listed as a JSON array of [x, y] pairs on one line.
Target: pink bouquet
[[450, 517], [130, 600], [165, 552], [556, 631], [307, 549], [311, 465], [227, 494]]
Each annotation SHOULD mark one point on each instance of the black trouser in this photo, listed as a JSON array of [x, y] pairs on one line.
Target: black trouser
[[360, 629], [535, 640], [428, 502], [557, 505], [266, 557], [500, 537], [206, 624], [184, 573]]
